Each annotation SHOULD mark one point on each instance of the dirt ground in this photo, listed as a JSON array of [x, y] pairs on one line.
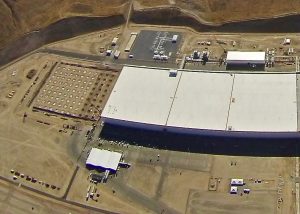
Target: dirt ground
[[108, 200], [90, 43], [24, 146], [222, 11], [150, 182], [16, 200], [178, 184], [21, 17]]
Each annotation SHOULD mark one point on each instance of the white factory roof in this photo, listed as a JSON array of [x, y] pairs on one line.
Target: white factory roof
[[261, 102], [104, 159], [199, 103], [264, 102], [142, 95], [245, 56]]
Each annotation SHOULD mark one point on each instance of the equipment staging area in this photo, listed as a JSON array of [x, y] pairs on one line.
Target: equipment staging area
[[151, 98]]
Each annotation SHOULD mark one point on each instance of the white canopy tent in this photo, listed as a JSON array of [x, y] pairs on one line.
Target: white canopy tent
[[103, 159]]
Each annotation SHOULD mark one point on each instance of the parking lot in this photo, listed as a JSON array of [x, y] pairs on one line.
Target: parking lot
[[149, 43]]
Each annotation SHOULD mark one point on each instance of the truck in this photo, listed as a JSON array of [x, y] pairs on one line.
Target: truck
[[117, 54], [114, 41], [174, 38]]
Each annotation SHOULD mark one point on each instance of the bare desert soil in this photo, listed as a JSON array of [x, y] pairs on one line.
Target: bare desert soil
[[222, 11], [21, 17]]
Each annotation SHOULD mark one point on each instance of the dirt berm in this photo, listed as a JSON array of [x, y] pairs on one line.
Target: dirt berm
[[174, 16], [63, 29]]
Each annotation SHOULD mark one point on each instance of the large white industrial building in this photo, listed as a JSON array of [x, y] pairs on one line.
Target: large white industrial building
[[249, 60], [193, 101]]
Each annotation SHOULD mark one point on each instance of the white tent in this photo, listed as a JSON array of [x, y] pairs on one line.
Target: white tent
[[237, 182], [233, 190], [103, 159]]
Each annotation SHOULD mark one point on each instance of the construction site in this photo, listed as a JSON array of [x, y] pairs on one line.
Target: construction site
[[144, 118]]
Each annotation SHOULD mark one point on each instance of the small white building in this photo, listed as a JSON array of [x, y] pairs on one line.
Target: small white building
[[245, 60], [103, 160], [287, 41], [237, 182], [233, 190]]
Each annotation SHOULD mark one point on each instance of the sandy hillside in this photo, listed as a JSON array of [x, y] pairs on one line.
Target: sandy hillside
[[19, 17], [221, 11]]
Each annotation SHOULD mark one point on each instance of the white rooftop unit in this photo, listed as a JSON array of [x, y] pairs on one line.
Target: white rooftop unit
[[241, 57], [196, 100], [103, 159]]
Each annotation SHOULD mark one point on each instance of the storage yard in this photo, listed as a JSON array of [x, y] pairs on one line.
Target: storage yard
[[50, 109], [76, 90]]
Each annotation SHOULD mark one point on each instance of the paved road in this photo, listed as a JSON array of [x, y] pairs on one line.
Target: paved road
[[72, 54], [70, 183], [107, 60]]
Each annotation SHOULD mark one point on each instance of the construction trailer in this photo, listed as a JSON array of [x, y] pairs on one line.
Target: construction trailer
[[130, 42]]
